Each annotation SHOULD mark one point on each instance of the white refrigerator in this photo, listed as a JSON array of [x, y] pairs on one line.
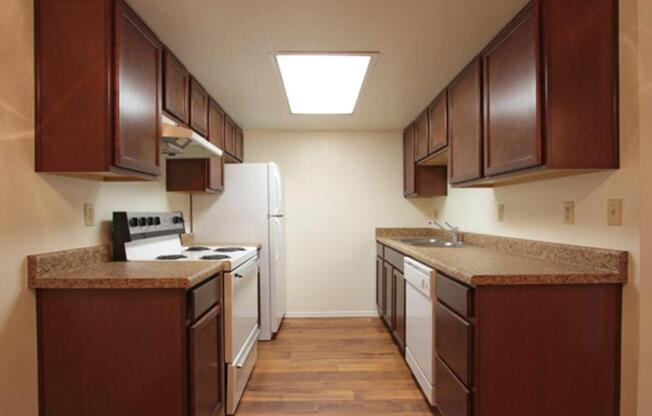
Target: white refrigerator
[[250, 210]]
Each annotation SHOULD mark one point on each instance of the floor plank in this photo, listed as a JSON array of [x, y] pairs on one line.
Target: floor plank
[[340, 366]]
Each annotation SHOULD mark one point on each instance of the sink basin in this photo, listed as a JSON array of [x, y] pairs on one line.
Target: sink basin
[[431, 242]]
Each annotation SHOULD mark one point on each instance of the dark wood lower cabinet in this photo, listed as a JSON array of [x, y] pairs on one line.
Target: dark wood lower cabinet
[[399, 308], [380, 291], [108, 352], [539, 350], [388, 312], [390, 292], [206, 384]]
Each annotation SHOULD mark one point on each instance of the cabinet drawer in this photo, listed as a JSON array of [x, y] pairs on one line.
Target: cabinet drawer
[[379, 250], [455, 295], [394, 258], [201, 298], [454, 342], [451, 396]]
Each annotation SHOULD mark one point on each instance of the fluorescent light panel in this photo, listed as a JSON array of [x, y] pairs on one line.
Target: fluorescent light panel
[[322, 83]]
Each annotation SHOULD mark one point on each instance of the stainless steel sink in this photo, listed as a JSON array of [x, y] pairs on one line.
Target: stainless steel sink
[[431, 242]]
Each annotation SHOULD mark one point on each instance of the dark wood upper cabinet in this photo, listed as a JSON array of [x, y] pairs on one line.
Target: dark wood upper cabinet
[[195, 175], [94, 62], [512, 96], [465, 124], [176, 88], [422, 135], [438, 121], [580, 58], [541, 100], [216, 124], [233, 141], [420, 181], [239, 144], [409, 166], [198, 108], [138, 93]]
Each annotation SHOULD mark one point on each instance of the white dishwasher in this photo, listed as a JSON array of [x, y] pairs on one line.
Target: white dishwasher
[[420, 324]]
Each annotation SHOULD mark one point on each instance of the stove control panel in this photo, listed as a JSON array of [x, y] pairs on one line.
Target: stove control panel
[[130, 226]]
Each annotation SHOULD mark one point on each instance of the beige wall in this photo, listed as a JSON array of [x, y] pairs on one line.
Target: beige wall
[[339, 186], [40, 213]]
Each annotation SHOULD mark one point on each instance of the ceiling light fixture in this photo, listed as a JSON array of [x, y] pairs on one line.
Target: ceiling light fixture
[[323, 83]]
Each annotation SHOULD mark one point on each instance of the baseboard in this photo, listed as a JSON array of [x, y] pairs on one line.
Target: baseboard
[[342, 314]]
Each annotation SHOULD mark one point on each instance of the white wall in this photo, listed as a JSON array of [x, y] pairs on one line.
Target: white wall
[[40, 213], [339, 186]]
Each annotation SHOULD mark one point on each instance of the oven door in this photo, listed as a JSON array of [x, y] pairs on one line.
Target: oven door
[[241, 304]]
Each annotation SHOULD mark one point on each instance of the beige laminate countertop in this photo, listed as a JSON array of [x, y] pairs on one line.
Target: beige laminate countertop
[[92, 268], [480, 265], [131, 274]]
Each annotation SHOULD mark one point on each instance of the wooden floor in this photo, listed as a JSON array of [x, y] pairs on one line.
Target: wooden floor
[[344, 366]]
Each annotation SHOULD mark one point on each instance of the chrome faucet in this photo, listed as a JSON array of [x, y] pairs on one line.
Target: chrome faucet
[[454, 232]]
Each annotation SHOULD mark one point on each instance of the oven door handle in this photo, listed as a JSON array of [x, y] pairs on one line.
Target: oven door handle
[[241, 271]]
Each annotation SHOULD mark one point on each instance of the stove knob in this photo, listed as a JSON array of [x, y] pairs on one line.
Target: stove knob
[[177, 220], [133, 222], [150, 221], [142, 221], [157, 220]]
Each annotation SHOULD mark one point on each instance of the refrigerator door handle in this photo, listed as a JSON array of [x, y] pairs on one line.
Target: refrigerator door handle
[[276, 216]]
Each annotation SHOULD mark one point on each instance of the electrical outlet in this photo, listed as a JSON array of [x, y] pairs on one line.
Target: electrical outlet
[[436, 213], [89, 215], [501, 212], [615, 212], [569, 212]]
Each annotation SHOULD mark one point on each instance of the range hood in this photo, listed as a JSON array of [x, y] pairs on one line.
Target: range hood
[[183, 143]]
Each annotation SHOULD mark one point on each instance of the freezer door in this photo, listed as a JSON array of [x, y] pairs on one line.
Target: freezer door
[[275, 190], [277, 271]]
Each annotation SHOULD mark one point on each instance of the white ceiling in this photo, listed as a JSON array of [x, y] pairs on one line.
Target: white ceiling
[[228, 45]]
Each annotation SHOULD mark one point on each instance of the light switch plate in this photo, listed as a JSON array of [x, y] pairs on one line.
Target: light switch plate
[[501, 212], [89, 215], [569, 212], [615, 212]]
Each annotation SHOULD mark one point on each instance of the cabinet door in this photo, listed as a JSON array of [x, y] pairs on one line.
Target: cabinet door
[[465, 124], [512, 96], [438, 123], [198, 108], [206, 364], [380, 295], [176, 88], [216, 174], [239, 144], [422, 133], [389, 296], [229, 136], [216, 125], [399, 308], [409, 187], [137, 91]]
